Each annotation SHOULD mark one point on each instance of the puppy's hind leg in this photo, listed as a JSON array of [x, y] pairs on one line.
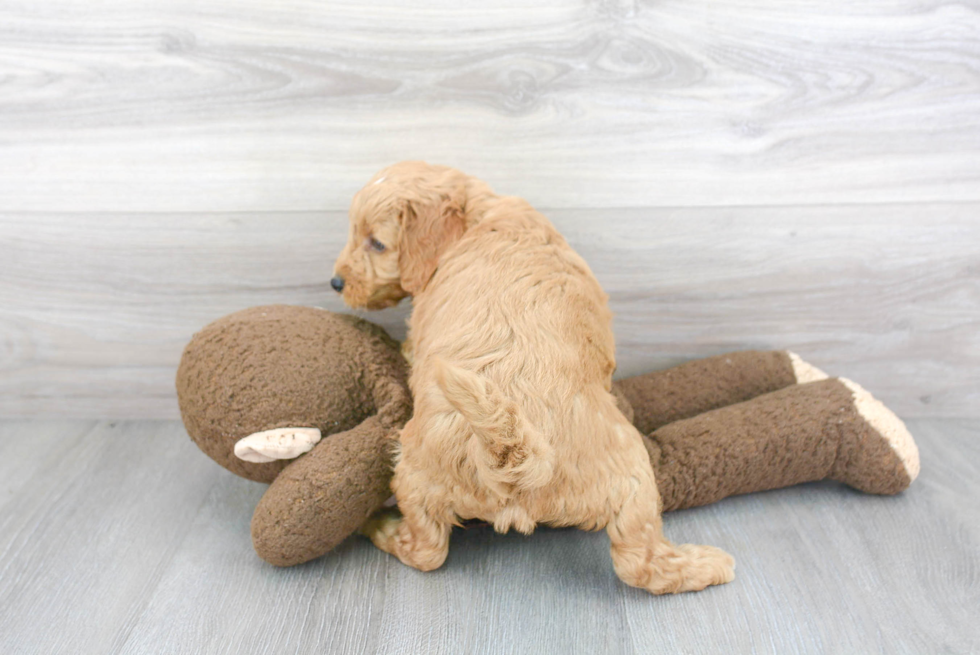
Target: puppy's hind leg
[[410, 533], [643, 558]]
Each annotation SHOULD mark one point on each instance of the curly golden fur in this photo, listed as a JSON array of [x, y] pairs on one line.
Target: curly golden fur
[[513, 356]]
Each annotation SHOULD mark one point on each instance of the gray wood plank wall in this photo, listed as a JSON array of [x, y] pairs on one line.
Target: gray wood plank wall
[[743, 174]]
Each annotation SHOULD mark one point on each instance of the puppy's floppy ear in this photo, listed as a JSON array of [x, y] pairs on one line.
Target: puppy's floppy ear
[[428, 228]]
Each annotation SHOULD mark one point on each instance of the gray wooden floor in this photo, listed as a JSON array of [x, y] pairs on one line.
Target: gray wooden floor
[[121, 537]]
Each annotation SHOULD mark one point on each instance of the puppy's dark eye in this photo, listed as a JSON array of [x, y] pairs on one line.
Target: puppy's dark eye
[[375, 245]]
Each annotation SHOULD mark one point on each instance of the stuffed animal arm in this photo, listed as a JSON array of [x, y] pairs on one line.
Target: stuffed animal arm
[[312, 401]]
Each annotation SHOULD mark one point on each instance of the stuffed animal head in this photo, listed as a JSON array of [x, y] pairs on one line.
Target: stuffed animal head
[[277, 366]]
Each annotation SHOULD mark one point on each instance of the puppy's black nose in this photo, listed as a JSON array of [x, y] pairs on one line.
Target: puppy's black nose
[[338, 284]]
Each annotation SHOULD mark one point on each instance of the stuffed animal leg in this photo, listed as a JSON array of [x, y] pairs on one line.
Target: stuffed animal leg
[[689, 389], [822, 429]]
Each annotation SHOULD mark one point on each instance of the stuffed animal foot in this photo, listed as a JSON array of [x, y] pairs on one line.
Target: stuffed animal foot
[[830, 429], [878, 456], [656, 399]]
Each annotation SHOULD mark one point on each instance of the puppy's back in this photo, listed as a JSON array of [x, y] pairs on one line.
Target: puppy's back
[[512, 301]]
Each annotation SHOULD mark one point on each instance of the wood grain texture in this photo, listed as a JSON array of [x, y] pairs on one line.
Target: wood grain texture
[[258, 106], [95, 308], [91, 526], [125, 539]]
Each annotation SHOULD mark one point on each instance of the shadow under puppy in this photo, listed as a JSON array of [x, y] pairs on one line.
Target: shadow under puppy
[[512, 353]]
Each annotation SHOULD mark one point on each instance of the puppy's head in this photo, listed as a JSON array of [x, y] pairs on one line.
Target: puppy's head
[[400, 224]]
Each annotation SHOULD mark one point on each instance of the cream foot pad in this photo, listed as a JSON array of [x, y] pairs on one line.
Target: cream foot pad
[[805, 371], [280, 443]]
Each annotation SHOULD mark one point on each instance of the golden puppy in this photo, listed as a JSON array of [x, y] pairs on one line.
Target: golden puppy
[[513, 359]]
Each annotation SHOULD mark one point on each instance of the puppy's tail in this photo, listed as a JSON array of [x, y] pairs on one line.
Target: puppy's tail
[[512, 455]]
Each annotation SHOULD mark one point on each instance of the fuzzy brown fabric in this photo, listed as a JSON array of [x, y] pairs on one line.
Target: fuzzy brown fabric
[[284, 366], [695, 387], [324, 496], [797, 434]]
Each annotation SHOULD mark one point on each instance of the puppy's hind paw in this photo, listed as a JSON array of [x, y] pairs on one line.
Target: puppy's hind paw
[[705, 566], [673, 569]]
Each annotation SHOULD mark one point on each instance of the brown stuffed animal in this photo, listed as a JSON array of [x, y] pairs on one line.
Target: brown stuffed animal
[[312, 401]]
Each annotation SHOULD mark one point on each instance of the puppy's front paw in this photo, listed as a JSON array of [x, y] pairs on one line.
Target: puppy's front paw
[[382, 528], [408, 351]]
